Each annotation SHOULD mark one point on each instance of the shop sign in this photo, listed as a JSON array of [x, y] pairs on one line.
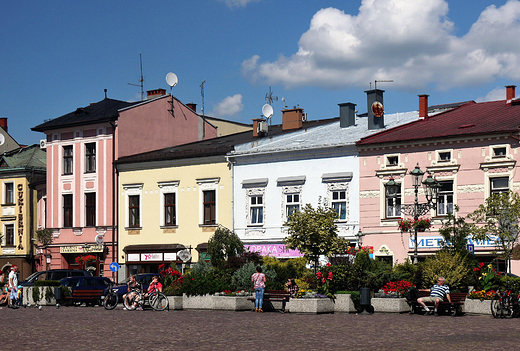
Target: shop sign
[[81, 249], [20, 216], [274, 250], [434, 242], [133, 257], [170, 256], [151, 257]]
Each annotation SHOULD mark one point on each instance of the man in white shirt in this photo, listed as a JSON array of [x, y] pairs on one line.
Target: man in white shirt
[[13, 286]]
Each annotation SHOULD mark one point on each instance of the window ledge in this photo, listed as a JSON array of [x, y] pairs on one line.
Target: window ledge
[[260, 225], [133, 228], [169, 226], [11, 204], [208, 225]]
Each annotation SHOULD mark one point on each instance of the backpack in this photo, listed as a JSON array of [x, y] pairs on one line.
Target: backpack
[[413, 294]]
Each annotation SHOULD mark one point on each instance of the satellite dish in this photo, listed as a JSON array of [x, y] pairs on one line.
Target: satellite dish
[[100, 239], [267, 111], [2, 139], [171, 79]]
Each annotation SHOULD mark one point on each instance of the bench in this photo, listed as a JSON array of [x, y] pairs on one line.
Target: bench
[[92, 295], [270, 296], [454, 308]]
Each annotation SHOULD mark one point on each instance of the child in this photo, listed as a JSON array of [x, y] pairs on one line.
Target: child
[[19, 296]]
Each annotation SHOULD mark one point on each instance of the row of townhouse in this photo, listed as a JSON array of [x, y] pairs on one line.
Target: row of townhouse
[[148, 183]]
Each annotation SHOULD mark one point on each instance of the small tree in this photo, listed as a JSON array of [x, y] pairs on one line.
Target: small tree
[[499, 217], [455, 232], [44, 236], [223, 245], [314, 232]]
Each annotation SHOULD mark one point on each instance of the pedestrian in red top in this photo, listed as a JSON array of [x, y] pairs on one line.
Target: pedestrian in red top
[[259, 280]]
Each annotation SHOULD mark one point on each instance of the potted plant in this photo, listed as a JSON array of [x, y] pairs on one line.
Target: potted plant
[[404, 224], [422, 224]]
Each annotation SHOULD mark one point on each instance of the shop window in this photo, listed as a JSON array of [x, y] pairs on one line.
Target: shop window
[[90, 157], [67, 159], [67, 211], [90, 209]]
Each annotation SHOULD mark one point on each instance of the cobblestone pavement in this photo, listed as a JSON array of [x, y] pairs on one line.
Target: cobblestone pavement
[[94, 328]]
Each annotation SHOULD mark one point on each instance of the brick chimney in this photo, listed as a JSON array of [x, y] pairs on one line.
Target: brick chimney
[[292, 118], [152, 94], [192, 106], [3, 123], [423, 106], [510, 92], [255, 126]]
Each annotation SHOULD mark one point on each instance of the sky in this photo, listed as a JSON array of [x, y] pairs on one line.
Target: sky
[[56, 56]]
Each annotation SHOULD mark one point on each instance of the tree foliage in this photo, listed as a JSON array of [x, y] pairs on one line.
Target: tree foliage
[[455, 232], [454, 267], [314, 232], [44, 236], [499, 217], [223, 245]]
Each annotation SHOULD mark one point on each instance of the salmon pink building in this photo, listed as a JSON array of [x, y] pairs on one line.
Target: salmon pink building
[[471, 149]]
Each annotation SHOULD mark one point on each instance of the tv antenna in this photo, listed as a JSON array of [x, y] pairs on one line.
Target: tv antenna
[[269, 98], [172, 80], [284, 105], [382, 81], [141, 80], [202, 94]]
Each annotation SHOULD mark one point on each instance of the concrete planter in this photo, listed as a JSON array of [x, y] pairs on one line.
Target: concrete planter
[[344, 304], [390, 305], [211, 302], [313, 306], [175, 302], [28, 296], [473, 306]]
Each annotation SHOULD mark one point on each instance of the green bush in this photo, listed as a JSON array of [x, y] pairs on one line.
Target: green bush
[[241, 279], [454, 267], [291, 268], [47, 283], [204, 279]]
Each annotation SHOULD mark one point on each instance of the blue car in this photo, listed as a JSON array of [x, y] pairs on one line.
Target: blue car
[[85, 289], [144, 279]]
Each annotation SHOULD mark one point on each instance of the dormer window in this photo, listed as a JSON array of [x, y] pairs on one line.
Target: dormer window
[[392, 161], [499, 151], [444, 156]]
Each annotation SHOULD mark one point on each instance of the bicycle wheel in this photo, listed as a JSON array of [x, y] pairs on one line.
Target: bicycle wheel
[[158, 301], [496, 308], [129, 302], [110, 301], [507, 308]]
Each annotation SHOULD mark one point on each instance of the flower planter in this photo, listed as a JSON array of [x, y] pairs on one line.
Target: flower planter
[[390, 305], [343, 303], [210, 302], [313, 305], [28, 296], [175, 302], [475, 306]]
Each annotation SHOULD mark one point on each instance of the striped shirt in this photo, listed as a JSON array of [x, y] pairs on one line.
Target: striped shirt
[[439, 291]]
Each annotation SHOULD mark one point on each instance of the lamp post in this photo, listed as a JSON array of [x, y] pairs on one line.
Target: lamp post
[[431, 188], [359, 237]]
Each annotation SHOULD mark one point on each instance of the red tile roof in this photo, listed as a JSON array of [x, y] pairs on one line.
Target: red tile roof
[[470, 119]]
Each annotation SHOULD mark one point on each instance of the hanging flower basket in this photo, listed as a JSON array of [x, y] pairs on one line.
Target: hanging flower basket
[[422, 224], [404, 225]]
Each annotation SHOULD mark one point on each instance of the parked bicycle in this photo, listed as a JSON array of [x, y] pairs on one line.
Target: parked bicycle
[[505, 304], [111, 299], [157, 300]]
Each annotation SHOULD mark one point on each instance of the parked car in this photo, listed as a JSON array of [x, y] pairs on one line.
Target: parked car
[[54, 274], [144, 279], [88, 285]]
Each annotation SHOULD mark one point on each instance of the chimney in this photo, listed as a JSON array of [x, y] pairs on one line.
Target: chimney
[[192, 106], [256, 121], [152, 94], [292, 118], [347, 114], [376, 113], [3, 123], [423, 106], [510, 92]]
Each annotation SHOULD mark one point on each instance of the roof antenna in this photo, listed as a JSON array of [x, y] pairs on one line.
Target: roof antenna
[[105, 93], [202, 94], [172, 80], [141, 80]]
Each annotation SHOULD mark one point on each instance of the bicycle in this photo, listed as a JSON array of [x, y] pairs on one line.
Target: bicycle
[[157, 300], [505, 305], [111, 300]]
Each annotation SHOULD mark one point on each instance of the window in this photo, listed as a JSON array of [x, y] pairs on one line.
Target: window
[[256, 209], [67, 159], [9, 193], [445, 200], [170, 218], [9, 234], [499, 151], [499, 185], [393, 205], [90, 209], [444, 156], [292, 204], [209, 206], [392, 160], [90, 157], [339, 203], [67, 211], [133, 211]]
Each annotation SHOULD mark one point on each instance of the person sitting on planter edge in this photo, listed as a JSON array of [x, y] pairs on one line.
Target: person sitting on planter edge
[[437, 293], [291, 288]]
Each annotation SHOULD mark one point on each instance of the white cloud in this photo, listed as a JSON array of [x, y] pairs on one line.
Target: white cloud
[[229, 106], [237, 3], [410, 42], [494, 95]]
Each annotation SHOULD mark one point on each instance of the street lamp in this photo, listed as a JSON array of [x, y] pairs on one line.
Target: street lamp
[[431, 189], [359, 236]]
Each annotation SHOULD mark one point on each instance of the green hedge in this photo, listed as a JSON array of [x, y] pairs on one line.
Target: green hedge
[[47, 283]]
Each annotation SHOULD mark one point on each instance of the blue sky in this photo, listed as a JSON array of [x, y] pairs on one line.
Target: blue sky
[[56, 56]]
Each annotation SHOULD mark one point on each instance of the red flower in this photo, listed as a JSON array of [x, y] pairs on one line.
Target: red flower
[[319, 275], [330, 276], [328, 264], [475, 269], [323, 280], [161, 266], [481, 265]]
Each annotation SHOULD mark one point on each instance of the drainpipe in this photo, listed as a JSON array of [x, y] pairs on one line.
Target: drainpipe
[[114, 197], [231, 165]]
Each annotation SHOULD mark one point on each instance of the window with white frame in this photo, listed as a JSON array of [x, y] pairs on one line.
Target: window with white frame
[[445, 199], [9, 235], [208, 197], [337, 192], [499, 151], [133, 205], [255, 203], [392, 160], [90, 157], [393, 204], [499, 185], [444, 156], [256, 208], [67, 159], [169, 203], [292, 203], [339, 203], [291, 194], [9, 193]]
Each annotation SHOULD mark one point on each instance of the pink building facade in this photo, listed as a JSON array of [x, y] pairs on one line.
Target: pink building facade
[[79, 203], [471, 149]]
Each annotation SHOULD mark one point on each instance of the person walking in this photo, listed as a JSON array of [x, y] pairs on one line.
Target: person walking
[[259, 280], [13, 286]]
